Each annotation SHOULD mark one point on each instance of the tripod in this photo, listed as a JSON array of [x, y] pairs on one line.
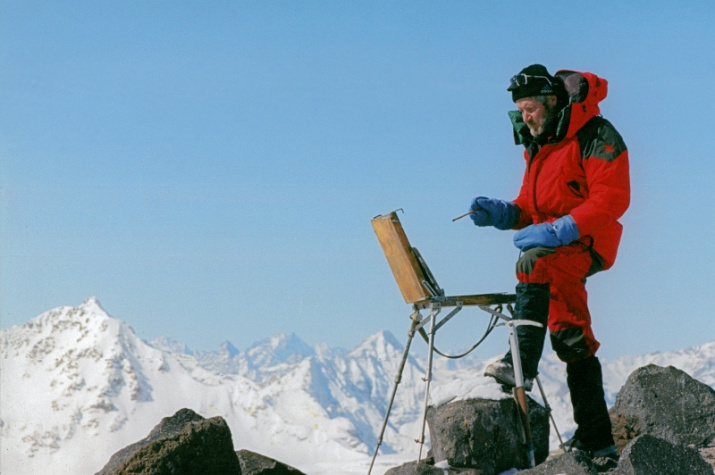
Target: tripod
[[490, 303]]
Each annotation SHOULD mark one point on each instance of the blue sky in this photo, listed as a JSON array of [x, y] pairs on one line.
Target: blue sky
[[209, 170]]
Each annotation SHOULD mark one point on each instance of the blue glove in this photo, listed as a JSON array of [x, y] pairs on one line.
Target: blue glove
[[561, 232], [498, 213]]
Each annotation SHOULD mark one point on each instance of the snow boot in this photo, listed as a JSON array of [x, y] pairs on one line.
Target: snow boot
[[504, 373]]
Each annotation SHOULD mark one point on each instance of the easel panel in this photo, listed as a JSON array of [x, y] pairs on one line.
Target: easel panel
[[402, 260]]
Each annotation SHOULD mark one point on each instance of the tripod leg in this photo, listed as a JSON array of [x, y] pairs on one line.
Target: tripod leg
[[551, 416], [398, 378], [520, 394], [428, 378]]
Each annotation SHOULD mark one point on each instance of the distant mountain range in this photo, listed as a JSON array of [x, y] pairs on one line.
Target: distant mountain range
[[77, 385]]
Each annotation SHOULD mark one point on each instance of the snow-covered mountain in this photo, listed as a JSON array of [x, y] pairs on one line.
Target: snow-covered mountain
[[77, 385]]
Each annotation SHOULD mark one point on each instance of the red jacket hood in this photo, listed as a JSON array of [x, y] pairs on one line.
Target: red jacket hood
[[585, 91]]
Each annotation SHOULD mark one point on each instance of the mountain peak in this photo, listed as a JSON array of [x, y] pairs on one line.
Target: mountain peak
[[279, 348], [170, 345], [92, 304], [378, 344], [228, 349]]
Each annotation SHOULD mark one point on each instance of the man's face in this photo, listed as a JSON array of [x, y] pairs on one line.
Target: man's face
[[536, 114]]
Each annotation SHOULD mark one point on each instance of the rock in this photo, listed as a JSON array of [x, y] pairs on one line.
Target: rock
[[257, 464], [183, 444], [483, 434], [168, 427], [572, 463], [666, 403], [648, 455], [708, 453], [413, 468]]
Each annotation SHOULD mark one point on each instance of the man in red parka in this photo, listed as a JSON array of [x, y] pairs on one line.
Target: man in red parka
[[575, 188]]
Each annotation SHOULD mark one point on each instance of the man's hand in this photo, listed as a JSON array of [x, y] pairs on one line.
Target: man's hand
[[498, 213], [561, 232]]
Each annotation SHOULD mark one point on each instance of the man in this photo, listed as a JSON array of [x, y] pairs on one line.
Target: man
[[575, 188]]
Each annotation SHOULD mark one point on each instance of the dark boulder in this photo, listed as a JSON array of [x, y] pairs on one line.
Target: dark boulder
[[183, 444], [666, 403], [483, 434], [648, 455]]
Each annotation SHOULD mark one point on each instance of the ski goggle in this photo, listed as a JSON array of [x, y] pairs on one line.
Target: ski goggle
[[523, 79]]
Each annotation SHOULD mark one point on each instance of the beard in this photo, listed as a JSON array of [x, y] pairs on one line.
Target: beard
[[538, 128]]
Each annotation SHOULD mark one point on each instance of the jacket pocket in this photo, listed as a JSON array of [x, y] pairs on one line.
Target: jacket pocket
[[575, 188]]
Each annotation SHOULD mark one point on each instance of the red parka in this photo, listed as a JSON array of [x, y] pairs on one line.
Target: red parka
[[581, 170]]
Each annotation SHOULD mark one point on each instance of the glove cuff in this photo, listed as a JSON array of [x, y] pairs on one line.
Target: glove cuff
[[566, 229], [510, 217]]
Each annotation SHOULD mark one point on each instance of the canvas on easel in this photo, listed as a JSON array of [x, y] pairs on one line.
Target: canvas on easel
[[412, 275]]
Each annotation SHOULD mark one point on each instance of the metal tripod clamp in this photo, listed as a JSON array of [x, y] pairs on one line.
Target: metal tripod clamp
[[512, 324], [514, 345]]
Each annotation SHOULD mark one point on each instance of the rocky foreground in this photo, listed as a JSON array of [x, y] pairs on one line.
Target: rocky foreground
[[186, 443], [663, 423]]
